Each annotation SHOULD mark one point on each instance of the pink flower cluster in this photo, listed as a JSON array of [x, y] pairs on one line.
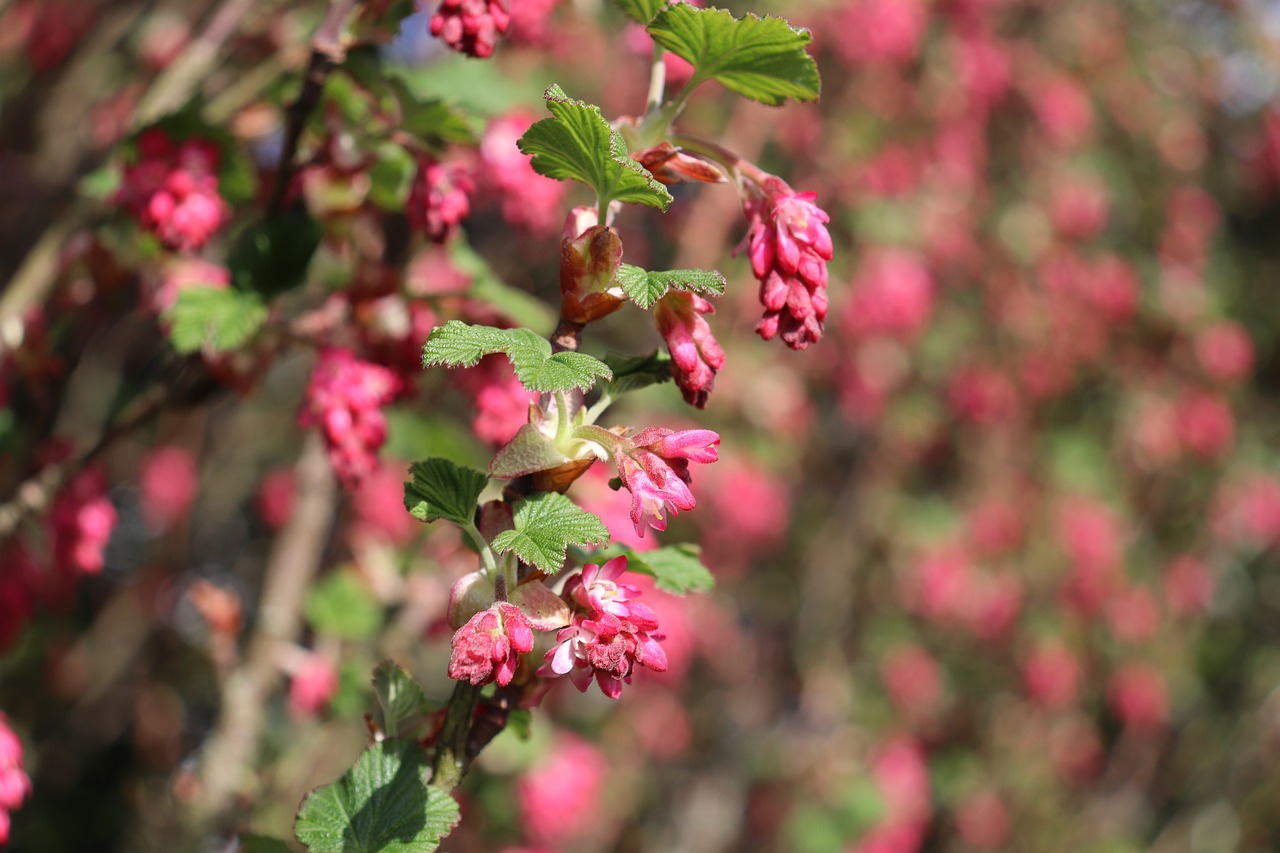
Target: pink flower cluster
[[173, 190], [488, 647], [345, 398], [15, 785], [80, 524], [654, 467], [696, 356], [789, 246], [471, 26], [439, 199], [610, 632]]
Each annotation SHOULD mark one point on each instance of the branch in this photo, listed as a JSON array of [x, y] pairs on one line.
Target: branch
[[295, 558]]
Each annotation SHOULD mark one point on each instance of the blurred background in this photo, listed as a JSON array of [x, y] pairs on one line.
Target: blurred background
[[996, 559]]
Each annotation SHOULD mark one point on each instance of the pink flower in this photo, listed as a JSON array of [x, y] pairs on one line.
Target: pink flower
[[1066, 115], [606, 649], [596, 589], [501, 402], [892, 295], [15, 785], [1051, 675], [1225, 351], [560, 796], [1188, 586], [439, 199], [378, 506], [881, 31], [173, 190], [489, 646], [344, 398], [913, 679], [313, 686], [789, 246], [167, 483], [1133, 615], [182, 273], [530, 21], [983, 821], [80, 523], [1205, 425], [275, 498], [696, 355], [1139, 696], [471, 26], [654, 467], [529, 200]]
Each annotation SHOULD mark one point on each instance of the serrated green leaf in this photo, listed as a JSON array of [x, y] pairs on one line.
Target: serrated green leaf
[[641, 11], [646, 288], [435, 121], [272, 256], [342, 606], [458, 344], [677, 569], [399, 697], [390, 177], [759, 58], [578, 144], [547, 523], [219, 318], [631, 373], [441, 489], [383, 804]]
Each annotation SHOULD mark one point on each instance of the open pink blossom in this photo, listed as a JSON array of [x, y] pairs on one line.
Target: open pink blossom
[[696, 356], [313, 686], [597, 590], [488, 647], [167, 483], [606, 650], [654, 467], [439, 199], [788, 245]]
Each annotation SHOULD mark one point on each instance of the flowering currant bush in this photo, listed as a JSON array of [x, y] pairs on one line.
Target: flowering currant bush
[[346, 491]]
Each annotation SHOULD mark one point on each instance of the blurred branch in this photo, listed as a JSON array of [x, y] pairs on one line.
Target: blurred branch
[[294, 561], [327, 53]]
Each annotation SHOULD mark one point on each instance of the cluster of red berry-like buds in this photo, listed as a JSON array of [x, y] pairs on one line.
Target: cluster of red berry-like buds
[[345, 398], [788, 245], [471, 26], [172, 190], [439, 199], [610, 632], [15, 785]]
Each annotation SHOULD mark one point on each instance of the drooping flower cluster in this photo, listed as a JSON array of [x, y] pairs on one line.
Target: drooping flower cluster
[[471, 26], [80, 524], [344, 398], [488, 647], [173, 190], [696, 356], [654, 467], [15, 785], [439, 199], [610, 632], [788, 245]]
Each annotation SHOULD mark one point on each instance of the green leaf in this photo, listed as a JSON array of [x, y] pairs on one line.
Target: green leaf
[[342, 606], [631, 373], [383, 804], [217, 317], [759, 58], [434, 121], [678, 569], [441, 489], [390, 177], [520, 723], [263, 844], [641, 11], [646, 288], [578, 144], [272, 256], [547, 523], [458, 344], [399, 696]]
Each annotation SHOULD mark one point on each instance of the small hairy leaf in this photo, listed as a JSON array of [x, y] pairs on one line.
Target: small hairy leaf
[[383, 804], [631, 373], [399, 696], [678, 569], [441, 489], [646, 288], [547, 523], [759, 58], [578, 144], [458, 344], [217, 317]]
